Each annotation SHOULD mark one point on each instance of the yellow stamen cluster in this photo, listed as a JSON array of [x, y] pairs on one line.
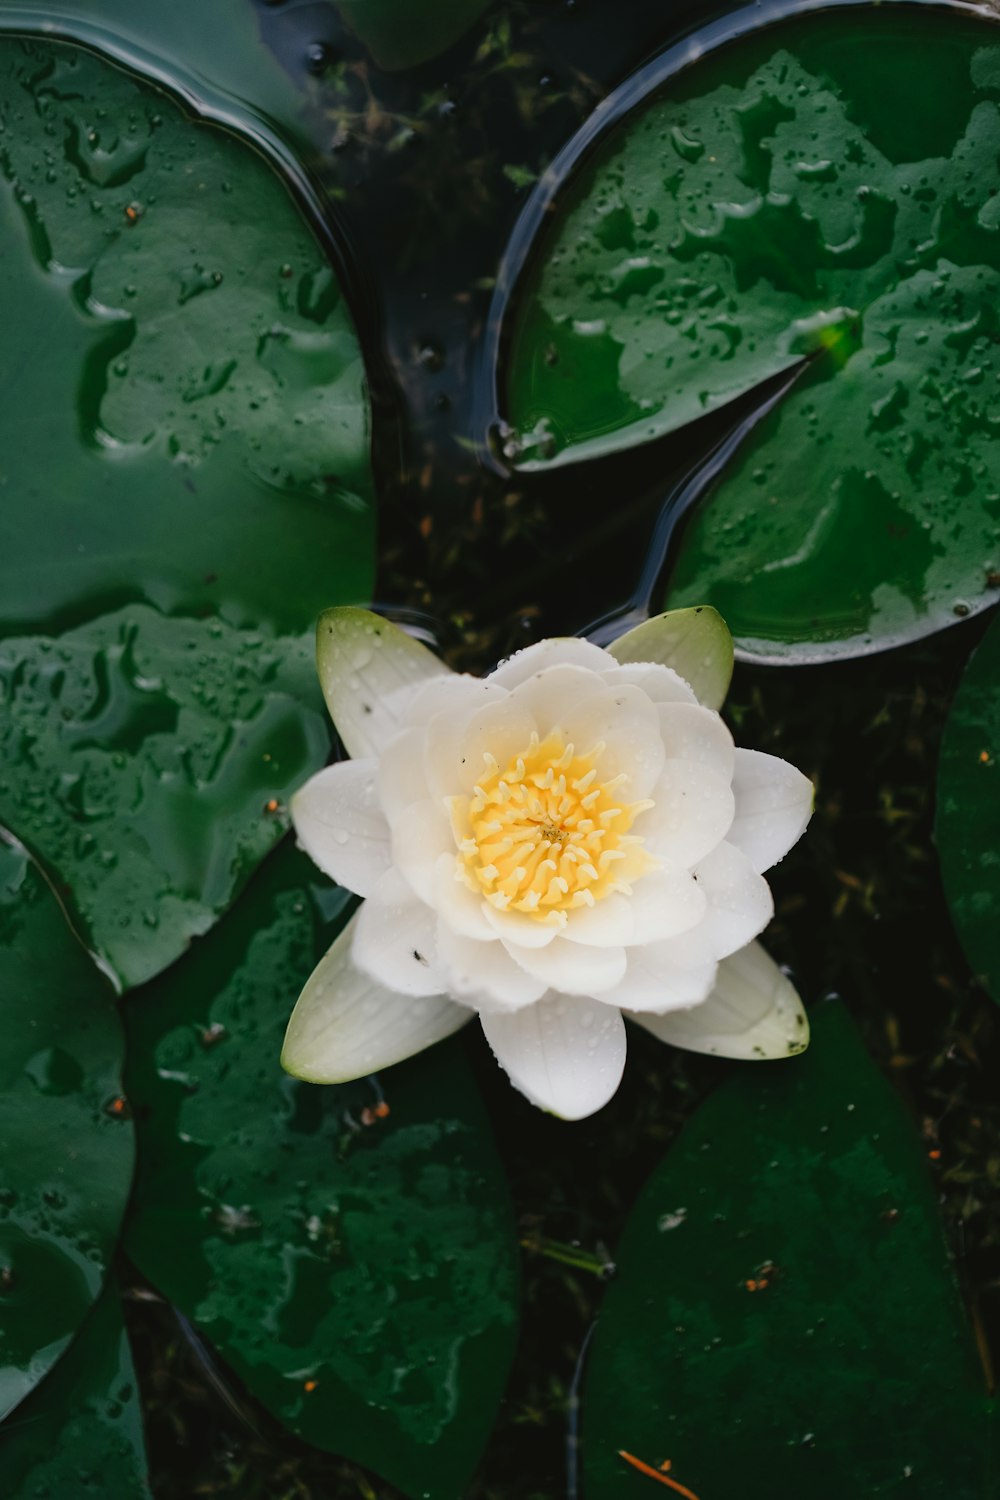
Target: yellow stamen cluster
[[544, 835]]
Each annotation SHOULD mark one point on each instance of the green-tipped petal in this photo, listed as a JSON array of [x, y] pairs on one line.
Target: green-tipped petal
[[346, 1025], [368, 669], [695, 642], [754, 1013]]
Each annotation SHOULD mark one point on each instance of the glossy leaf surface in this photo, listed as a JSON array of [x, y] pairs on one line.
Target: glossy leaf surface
[[79, 1435], [191, 414], [968, 810], [219, 51], [214, 55], [148, 760], [66, 1142], [785, 1320], [357, 1270], [782, 203]]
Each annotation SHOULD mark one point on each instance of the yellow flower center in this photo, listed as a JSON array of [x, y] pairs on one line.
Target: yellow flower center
[[544, 835]]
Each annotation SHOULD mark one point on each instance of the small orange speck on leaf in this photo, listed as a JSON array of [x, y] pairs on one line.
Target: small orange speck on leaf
[[271, 806], [934, 1155], [985, 758], [310, 1385]]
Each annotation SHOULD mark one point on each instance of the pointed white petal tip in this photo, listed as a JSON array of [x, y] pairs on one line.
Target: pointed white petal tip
[[774, 803], [346, 1025], [754, 1013], [369, 671], [696, 643]]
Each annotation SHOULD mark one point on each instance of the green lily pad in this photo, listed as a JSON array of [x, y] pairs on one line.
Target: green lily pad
[[190, 407], [355, 1266], [66, 1142], [79, 1434], [215, 54], [219, 52], [967, 831], [148, 761], [783, 204], [785, 1320]]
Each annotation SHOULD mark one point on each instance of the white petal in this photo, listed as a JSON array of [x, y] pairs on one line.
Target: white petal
[[628, 724], [774, 802], [420, 835], [660, 684], [456, 694], [664, 904], [753, 1013], [456, 744], [566, 1054], [693, 733], [558, 650], [369, 670], [552, 695], [740, 903], [401, 780], [695, 642], [394, 939], [666, 976], [608, 923], [346, 1026], [484, 974], [519, 928], [692, 811], [339, 823], [572, 967], [459, 907]]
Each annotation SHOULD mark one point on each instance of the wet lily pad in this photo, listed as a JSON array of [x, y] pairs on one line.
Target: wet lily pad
[[216, 55], [350, 1255], [968, 810], [776, 205], [148, 761], [785, 1319], [66, 1141], [190, 410], [220, 52], [80, 1433]]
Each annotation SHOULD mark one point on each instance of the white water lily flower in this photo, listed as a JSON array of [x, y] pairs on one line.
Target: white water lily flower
[[571, 838]]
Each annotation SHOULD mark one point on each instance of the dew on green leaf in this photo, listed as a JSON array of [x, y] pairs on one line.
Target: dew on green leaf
[[65, 1163], [775, 1310], [193, 427], [309, 1237], [80, 1434], [141, 756], [767, 209]]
